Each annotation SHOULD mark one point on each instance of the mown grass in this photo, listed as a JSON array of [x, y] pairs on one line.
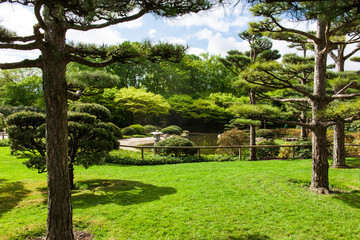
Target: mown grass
[[212, 200]]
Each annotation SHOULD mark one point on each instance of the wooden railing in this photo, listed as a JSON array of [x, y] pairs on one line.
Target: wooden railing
[[239, 147]]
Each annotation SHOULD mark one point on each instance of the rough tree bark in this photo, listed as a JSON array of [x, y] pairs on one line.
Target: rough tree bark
[[55, 91], [252, 131], [339, 145], [320, 165]]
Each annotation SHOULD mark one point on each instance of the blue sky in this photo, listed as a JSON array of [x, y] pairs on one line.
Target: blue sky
[[214, 31]]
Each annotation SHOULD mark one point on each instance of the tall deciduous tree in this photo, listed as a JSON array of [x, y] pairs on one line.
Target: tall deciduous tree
[[55, 18], [325, 13]]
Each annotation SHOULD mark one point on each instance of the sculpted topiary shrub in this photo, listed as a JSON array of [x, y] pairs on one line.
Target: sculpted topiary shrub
[[230, 138], [150, 128], [129, 131], [90, 139], [178, 142], [140, 130], [172, 130]]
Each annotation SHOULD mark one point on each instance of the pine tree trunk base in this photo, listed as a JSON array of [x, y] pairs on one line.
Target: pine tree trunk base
[[320, 190]]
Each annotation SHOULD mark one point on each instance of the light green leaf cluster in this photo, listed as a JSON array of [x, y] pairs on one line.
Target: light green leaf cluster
[[140, 102], [255, 111]]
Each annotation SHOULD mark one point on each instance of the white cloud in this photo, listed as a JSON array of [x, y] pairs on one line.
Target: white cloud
[[17, 18], [8, 56], [217, 44], [174, 40], [152, 32], [98, 36], [137, 23], [196, 51], [217, 19]]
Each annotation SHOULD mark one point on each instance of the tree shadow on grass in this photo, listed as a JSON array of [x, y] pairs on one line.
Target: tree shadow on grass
[[255, 236], [350, 198], [121, 192], [11, 193]]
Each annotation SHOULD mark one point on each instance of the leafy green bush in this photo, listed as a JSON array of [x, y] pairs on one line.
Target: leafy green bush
[[230, 138], [177, 141], [265, 133], [129, 131], [134, 158], [353, 127], [97, 110], [172, 130], [285, 152], [140, 130], [303, 151], [267, 152], [2, 121], [150, 128], [4, 143]]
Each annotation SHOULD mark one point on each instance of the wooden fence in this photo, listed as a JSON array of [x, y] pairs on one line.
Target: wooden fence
[[239, 147]]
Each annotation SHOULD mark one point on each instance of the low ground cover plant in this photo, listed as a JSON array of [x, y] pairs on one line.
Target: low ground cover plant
[[134, 158]]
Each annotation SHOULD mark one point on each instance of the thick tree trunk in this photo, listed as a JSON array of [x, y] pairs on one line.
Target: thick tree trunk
[[304, 131], [320, 165], [59, 222], [252, 130], [339, 145], [71, 175], [252, 142]]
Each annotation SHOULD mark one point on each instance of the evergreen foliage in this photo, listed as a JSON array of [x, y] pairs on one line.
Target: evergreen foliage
[[267, 152], [177, 141], [230, 138], [128, 131], [140, 130]]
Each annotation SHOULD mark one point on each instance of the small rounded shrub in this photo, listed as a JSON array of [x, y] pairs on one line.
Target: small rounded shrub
[[285, 152], [150, 128], [265, 133], [230, 138], [171, 130], [139, 129], [178, 142], [303, 151], [129, 131], [267, 152], [97, 110]]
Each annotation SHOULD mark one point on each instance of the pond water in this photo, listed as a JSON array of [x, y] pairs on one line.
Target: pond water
[[204, 139]]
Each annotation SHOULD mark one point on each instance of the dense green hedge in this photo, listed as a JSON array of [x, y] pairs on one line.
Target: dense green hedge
[[140, 130], [177, 141], [134, 158]]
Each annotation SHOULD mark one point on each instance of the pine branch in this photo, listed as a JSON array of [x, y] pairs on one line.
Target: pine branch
[[27, 63], [27, 47]]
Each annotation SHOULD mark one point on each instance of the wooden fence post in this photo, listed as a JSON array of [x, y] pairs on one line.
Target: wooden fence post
[[142, 153], [239, 154]]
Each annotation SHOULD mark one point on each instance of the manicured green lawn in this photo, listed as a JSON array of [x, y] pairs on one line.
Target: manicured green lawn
[[213, 200]]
